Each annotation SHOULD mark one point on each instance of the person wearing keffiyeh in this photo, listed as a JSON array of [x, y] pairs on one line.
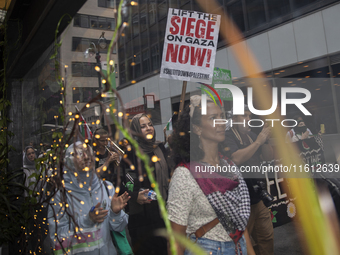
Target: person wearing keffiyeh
[[197, 196]]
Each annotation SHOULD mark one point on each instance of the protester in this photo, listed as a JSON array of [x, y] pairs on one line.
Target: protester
[[300, 132], [82, 216], [213, 208], [29, 168], [105, 165], [144, 214], [107, 162], [247, 149]]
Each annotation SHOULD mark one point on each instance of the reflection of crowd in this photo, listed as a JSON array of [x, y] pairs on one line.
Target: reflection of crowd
[[223, 212]]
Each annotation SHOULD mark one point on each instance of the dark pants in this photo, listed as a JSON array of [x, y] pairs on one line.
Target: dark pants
[[260, 228], [143, 238]]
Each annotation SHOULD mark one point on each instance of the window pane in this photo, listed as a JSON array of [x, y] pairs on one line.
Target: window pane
[[153, 33], [186, 6], [94, 73], [152, 12], [101, 3], [76, 95], [121, 53], [155, 57], [144, 40], [130, 70], [111, 24], [122, 77], [138, 72], [235, 12], [143, 18], [75, 43], [84, 45], [77, 69], [135, 25], [146, 62], [129, 49], [162, 9], [302, 3], [84, 20], [136, 45], [87, 70], [173, 4], [76, 20], [162, 25], [102, 23], [256, 13], [278, 8], [93, 22], [321, 106], [182, 2], [110, 4]]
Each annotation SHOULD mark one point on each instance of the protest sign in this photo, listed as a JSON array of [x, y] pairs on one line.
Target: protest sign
[[190, 46], [221, 76]]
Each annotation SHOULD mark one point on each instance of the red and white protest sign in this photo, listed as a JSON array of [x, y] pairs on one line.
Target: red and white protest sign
[[190, 46]]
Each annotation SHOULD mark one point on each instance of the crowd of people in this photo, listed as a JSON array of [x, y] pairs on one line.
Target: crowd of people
[[221, 212]]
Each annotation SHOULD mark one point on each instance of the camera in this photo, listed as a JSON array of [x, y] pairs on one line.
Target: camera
[[260, 189]]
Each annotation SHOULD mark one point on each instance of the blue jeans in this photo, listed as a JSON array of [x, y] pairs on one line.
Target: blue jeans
[[218, 248]]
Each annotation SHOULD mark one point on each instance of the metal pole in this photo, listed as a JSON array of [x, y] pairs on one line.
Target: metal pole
[[99, 76]]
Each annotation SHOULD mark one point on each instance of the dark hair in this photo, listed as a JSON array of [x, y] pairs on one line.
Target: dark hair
[[185, 143]]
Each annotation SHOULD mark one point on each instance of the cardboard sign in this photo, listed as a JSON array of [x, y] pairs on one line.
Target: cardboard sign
[[190, 46]]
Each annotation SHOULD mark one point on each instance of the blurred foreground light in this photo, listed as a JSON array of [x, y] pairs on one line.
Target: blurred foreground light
[[97, 68]]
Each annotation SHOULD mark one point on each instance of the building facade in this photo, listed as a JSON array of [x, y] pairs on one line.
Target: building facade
[[294, 42]]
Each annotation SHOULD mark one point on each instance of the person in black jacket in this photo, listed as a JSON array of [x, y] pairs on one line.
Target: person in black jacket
[[144, 214]]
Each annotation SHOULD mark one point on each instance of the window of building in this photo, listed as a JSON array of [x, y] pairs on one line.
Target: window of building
[[84, 94], [143, 18], [301, 3], [138, 72], [102, 23], [235, 11], [136, 45], [162, 8], [255, 12], [155, 62], [144, 40], [173, 4], [146, 61], [84, 69], [152, 12], [95, 22], [130, 68], [278, 8], [80, 44], [321, 106], [106, 3], [135, 25]]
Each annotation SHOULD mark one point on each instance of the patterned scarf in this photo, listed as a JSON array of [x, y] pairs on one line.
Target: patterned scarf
[[228, 195]]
